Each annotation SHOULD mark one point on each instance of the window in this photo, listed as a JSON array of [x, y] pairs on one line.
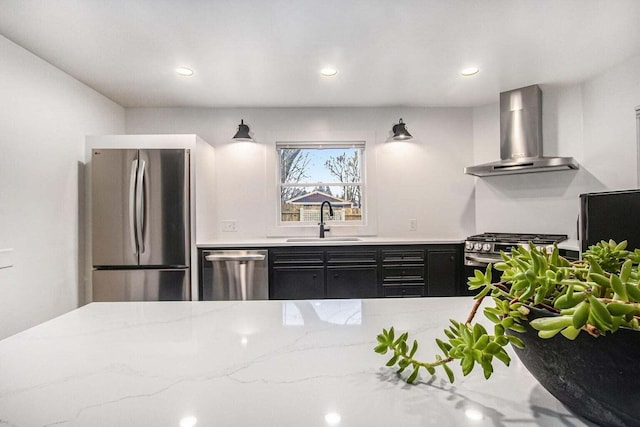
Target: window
[[311, 172]]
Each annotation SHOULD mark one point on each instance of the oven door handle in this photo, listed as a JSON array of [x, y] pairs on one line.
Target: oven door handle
[[480, 261]]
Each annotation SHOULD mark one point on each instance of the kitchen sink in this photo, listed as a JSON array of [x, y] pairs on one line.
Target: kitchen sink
[[324, 239]]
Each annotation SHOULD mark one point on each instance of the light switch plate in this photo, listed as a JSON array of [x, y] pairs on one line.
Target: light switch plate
[[413, 225], [6, 258]]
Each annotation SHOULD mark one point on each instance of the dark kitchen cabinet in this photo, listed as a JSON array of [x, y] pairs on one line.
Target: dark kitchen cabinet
[[352, 273], [365, 271], [297, 283], [443, 271], [296, 273], [403, 272]]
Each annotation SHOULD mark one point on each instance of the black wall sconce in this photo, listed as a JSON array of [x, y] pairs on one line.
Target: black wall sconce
[[400, 132], [243, 133]]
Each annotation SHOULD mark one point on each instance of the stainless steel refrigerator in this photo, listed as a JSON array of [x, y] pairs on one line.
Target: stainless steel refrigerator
[[140, 216], [610, 215]]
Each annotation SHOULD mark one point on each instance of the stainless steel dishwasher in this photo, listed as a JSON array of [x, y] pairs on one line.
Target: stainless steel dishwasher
[[235, 275]]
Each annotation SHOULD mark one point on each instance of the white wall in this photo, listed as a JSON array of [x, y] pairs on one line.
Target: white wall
[[609, 103], [421, 179], [45, 115], [593, 122]]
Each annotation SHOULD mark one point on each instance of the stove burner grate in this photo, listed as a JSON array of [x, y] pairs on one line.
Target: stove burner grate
[[519, 237]]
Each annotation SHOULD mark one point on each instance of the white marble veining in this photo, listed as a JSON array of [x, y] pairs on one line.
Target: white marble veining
[[254, 363]]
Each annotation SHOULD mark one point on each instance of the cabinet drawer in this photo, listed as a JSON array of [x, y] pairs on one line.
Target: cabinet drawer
[[405, 291], [351, 257], [398, 256], [303, 257], [400, 272]]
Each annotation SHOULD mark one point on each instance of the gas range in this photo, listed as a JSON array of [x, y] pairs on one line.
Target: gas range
[[482, 249]]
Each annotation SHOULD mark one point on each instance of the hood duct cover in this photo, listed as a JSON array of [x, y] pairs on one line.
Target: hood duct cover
[[521, 137]]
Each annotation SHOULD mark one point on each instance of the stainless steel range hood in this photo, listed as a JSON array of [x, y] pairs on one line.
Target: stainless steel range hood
[[521, 137]]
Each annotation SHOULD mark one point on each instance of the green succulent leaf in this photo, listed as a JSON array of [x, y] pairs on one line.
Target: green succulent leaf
[[393, 360], [414, 348], [618, 287], [570, 332], [414, 374], [599, 310], [445, 347], [467, 365], [625, 270], [621, 309], [449, 372], [381, 348], [633, 291], [581, 315], [517, 342], [503, 357], [551, 323], [545, 334]]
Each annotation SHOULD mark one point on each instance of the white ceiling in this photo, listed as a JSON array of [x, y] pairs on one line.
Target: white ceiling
[[268, 52]]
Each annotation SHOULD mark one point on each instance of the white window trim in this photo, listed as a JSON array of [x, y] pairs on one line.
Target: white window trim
[[368, 225], [320, 145]]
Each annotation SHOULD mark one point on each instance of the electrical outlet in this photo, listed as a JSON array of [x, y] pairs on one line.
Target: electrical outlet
[[413, 225], [229, 225]]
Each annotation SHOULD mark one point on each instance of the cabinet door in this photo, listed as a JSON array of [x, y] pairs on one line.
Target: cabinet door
[[442, 272], [352, 282], [297, 283]]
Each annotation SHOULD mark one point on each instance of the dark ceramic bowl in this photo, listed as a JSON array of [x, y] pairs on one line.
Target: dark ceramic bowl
[[596, 378]]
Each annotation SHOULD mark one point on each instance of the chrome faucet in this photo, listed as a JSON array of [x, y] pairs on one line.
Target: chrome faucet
[[322, 227]]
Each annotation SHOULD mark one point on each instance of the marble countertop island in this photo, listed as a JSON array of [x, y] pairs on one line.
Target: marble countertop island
[[253, 363]]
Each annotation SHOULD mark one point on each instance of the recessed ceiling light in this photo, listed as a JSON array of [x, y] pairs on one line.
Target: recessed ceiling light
[[329, 71], [184, 71], [470, 71]]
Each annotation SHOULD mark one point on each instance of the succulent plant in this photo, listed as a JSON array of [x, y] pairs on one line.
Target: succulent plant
[[596, 295]]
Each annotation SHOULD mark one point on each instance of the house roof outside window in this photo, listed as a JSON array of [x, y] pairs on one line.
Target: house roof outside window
[[317, 197]]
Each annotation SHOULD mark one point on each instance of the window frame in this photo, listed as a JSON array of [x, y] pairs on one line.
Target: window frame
[[311, 145], [278, 228]]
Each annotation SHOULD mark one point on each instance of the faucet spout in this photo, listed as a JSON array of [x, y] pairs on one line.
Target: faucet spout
[[322, 227]]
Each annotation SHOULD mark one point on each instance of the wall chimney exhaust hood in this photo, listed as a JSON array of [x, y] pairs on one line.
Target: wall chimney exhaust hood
[[521, 138]]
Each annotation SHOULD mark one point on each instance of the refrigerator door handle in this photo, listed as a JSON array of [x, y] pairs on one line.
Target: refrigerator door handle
[[132, 207], [140, 208]]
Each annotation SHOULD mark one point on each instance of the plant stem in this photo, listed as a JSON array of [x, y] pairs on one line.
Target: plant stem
[[549, 307], [592, 330], [474, 310]]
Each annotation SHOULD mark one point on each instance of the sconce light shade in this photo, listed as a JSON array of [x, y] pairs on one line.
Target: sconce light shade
[[400, 132], [243, 133]]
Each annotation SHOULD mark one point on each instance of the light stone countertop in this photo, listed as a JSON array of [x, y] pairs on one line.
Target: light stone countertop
[[570, 244], [329, 241], [253, 363]]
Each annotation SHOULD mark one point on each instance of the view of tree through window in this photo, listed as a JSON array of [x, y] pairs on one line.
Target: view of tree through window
[[313, 173]]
